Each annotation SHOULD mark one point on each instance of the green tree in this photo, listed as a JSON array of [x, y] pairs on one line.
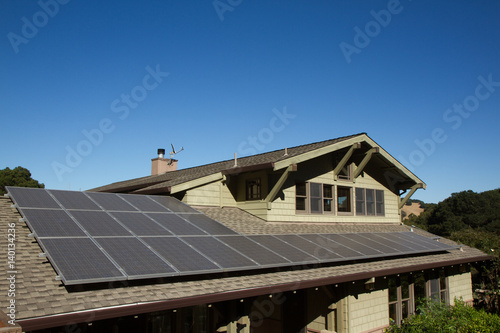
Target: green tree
[[439, 317], [17, 177]]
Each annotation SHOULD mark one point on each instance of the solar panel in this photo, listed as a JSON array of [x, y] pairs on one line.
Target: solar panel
[[203, 222], [220, 253], [74, 200], [140, 224], [135, 258], [176, 224], [174, 205], [111, 201], [31, 197], [254, 251], [51, 223], [144, 203], [286, 250], [99, 223], [346, 242], [182, 256], [95, 237], [79, 260], [309, 247]]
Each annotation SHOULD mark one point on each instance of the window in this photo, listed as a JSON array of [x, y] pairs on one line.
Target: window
[[253, 189], [344, 199], [407, 292], [313, 198], [370, 202], [301, 197]]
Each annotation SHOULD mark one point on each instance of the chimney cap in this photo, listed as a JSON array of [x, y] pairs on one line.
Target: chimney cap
[[161, 152]]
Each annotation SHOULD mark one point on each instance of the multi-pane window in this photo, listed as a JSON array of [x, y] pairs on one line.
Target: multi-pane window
[[314, 198], [344, 199], [369, 202], [253, 189], [407, 292]]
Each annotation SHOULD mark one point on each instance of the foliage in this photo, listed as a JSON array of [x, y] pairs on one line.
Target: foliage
[[439, 317], [17, 177]]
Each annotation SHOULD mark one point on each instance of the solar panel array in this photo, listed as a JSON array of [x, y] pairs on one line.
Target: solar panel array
[[101, 237]]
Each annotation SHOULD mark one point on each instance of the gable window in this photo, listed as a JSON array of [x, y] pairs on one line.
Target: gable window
[[344, 199], [253, 189], [314, 198], [370, 202]]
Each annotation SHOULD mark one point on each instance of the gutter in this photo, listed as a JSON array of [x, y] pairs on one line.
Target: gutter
[[88, 316]]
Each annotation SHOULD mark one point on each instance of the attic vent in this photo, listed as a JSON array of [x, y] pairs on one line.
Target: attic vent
[[161, 153]]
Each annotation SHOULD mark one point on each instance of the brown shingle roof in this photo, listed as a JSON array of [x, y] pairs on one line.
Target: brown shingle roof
[[153, 184], [38, 294]]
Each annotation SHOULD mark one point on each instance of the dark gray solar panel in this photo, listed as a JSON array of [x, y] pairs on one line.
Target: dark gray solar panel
[[99, 223], [79, 260], [335, 247], [140, 224], [180, 255], [74, 200], [203, 222], [400, 238], [176, 225], [144, 203], [343, 240], [366, 239], [173, 204], [51, 223], [427, 242], [135, 258], [401, 247], [111, 201], [31, 197], [254, 251], [283, 249], [309, 247], [220, 253]]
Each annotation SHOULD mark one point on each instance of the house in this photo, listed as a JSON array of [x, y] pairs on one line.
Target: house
[[347, 191]]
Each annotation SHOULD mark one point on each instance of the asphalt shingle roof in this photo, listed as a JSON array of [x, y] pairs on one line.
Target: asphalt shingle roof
[[38, 294]]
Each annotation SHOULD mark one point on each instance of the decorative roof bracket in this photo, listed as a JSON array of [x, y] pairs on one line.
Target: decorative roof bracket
[[279, 184], [364, 162], [412, 190], [344, 160]]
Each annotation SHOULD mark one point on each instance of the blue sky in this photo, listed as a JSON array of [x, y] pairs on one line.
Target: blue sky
[[90, 89]]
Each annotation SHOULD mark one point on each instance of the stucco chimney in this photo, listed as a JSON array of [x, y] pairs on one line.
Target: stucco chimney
[[161, 164]]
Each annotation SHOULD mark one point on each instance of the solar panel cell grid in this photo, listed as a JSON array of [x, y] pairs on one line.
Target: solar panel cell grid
[[99, 223], [176, 225], [255, 251], [111, 201], [52, 223], [140, 224], [291, 253], [31, 197], [144, 203], [74, 200]]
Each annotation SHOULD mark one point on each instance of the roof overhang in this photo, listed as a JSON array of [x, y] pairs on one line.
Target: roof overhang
[[30, 324]]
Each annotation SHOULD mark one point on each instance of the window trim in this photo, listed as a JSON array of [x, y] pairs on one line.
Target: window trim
[[375, 203], [349, 198], [308, 197]]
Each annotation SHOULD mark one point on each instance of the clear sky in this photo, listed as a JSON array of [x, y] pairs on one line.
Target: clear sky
[[90, 89]]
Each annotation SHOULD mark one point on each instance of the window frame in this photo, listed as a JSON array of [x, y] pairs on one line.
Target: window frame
[[249, 195], [307, 198], [349, 200], [378, 205]]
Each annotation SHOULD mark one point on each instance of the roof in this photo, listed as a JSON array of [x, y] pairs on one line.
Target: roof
[[43, 302], [276, 159]]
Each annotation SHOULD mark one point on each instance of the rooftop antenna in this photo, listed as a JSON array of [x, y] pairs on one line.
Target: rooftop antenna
[[174, 152]]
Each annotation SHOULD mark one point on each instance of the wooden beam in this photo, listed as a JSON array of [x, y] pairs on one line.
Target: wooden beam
[[364, 162], [344, 160], [274, 191], [412, 190]]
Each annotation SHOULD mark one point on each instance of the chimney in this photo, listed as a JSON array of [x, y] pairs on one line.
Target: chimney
[[161, 164]]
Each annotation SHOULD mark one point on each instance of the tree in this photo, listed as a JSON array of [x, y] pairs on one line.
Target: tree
[[17, 177]]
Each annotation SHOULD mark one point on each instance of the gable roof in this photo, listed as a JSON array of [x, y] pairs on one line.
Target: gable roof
[[43, 302], [195, 176]]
